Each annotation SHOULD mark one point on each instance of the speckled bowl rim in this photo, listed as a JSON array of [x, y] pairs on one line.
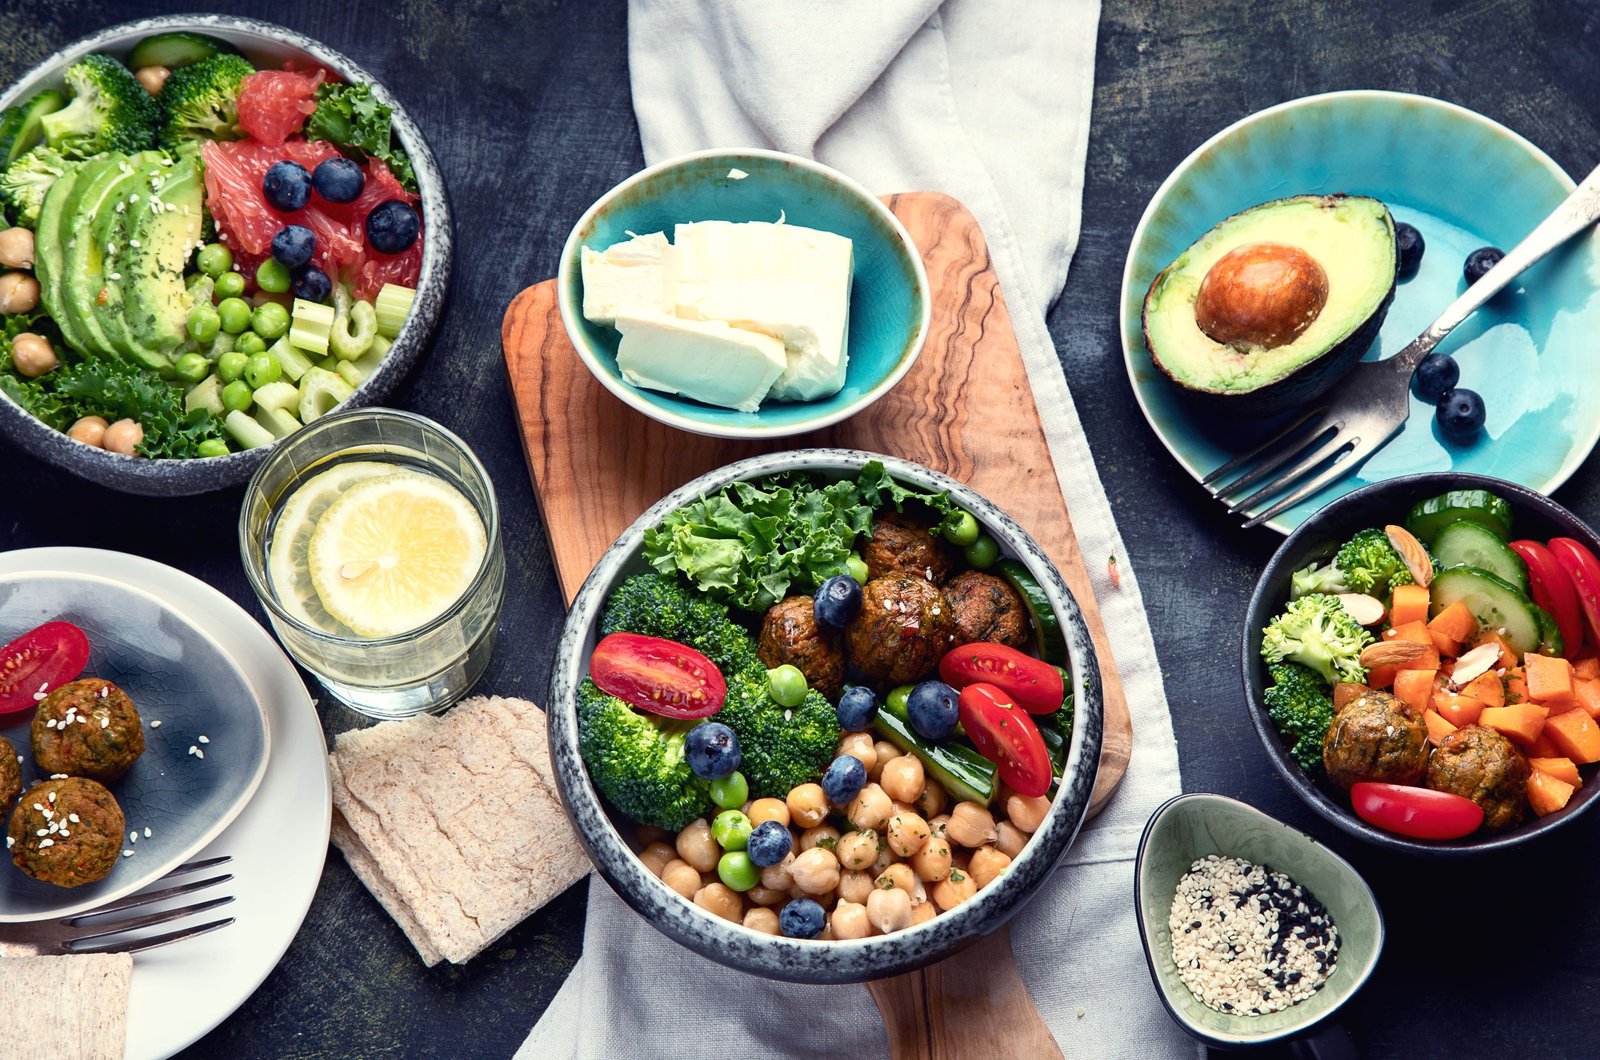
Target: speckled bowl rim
[[803, 960], [572, 315], [1262, 606], [1133, 343], [205, 474]]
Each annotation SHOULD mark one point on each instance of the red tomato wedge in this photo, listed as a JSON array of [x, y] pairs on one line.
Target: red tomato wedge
[[1005, 735], [1553, 590], [1034, 684], [659, 676], [38, 661], [1584, 572], [1420, 813]]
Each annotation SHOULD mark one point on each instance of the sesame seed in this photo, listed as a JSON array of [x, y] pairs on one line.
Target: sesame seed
[[105, 723], [42, 831], [44, 685], [46, 843], [58, 776], [205, 739], [52, 797], [147, 833], [73, 818], [10, 842], [127, 853], [38, 807], [65, 833], [133, 837], [156, 724], [199, 753]]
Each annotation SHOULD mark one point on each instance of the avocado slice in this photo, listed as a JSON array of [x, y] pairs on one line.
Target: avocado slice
[[83, 271], [111, 232], [1273, 306], [162, 235], [50, 248]]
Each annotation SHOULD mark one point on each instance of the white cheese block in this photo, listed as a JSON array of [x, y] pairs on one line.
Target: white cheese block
[[625, 277], [707, 360]]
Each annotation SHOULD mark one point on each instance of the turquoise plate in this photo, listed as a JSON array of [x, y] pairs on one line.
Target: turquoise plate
[[1465, 182], [889, 302]]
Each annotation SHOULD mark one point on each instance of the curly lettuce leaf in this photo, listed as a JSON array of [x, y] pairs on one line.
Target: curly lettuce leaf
[[353, 119]]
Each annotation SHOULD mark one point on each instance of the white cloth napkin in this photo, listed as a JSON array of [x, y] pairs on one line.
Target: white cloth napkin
[[987, 100]]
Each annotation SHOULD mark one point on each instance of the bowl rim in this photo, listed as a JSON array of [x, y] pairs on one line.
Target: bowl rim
[[809, 960], [630, 396], [1302, 784], [1207, 1035], [1133, 345], [436, 252]]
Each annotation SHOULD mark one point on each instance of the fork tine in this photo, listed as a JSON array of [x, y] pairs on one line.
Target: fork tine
[[133, 901], [1255, 475], [198, 866], [122, 927], [140, 945], [1343, 465], [1289, 478], [1243, 459]]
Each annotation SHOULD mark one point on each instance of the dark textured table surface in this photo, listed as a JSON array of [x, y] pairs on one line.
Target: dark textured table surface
[[527, 108]]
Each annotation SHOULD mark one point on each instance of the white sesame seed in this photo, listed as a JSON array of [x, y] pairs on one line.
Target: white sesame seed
[[52, 797], [156, 724], [44, 685], [133, 837], [65, 833], [58, 776], [205, 739], [46, 843], [38, 807], [105, 723], [10, 842], [193, 749], [73, 818], [147, 833], [127, 853], [42, 831], [199, 753]]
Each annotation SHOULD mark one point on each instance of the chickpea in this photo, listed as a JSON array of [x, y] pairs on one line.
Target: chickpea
[[123, 436], [827, 933], [808, 806], [823, 835], [19, 293], [907, 833], [986, 864], [766, 896], [886, 752], [870, 808], [656, 855], [903, 778], [860, 744], [815, 871], [763, 810], [777, 877], [936, 825], [933, 800], [762, 920], [858, 849], [681, 877], [921, 914], [951, 892], [32, 355], [849, 921], [90, 430], [902, 807], [855, 886], [885, 859], [1011, 839], [889, 910], [16, 248], [1027, 814], [151, 78], [696, 846], [897, 876], [721, 900], [932, 862], [971, 825]]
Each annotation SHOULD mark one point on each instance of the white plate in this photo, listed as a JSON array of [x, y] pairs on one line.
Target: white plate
[[278, 843]]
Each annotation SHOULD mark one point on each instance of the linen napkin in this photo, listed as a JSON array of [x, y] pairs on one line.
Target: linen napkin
[[65, 1007], [988, 102], [453, 822]]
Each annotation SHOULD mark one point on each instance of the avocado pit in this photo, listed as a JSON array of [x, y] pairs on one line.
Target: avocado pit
[[1261, 296]]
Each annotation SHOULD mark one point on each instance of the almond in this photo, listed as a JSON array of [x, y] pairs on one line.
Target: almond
[[1411, 550], [1392, 653], [1474, 663], [1367, 610]]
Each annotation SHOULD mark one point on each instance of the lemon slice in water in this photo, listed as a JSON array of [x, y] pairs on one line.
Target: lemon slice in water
[[287, 553], [393, 553]]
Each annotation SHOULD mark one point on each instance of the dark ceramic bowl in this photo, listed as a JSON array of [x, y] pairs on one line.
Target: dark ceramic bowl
[[605, 834], [1318, 538], [265, 44]]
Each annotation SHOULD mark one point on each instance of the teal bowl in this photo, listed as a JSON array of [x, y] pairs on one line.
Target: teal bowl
[[1465, 182], [889, 302]]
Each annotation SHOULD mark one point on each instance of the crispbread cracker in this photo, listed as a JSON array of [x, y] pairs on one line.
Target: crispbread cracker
[[81, 1014], [453, 822]]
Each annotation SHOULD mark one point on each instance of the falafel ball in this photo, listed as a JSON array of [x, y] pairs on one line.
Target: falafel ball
[[10, 773], [82, 826], [903, 629], [790, 634], [902, 545], [1375, 737], [1480, 764], [986, 608], [87, 728]]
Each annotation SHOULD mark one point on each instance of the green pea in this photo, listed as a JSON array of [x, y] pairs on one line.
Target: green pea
[[731, 791], [899, 700], [787, 685], [965, 532], [212, 447], [983, 552], [214, 259], [263, 369], [231, 365], [737, 870], [270, 320], [856, 567], [192, 368], [236, 396], [731, 830], [273, 275], [235, 314], [250, 344], [204, 323], [229, 285]]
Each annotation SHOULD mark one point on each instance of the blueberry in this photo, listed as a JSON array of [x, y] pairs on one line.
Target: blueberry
[[713, 750], [768, 844], [1407, 240], [838, 601], [932, 710], [312, 284], [1437, 373], [293, 245], [286, 185], [858, 707], [801, 919], [1460, 414], [846, 776], [392, 227], [1479, 262], [338, 180]]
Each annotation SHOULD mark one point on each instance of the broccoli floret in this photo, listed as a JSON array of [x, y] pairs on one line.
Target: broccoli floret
[[1299, 705], [201, 102], [782, 747], [1318, 632], [637, 761], [1371, 564], [109, 111], [24, 183], [1315, 579], [659, 605]]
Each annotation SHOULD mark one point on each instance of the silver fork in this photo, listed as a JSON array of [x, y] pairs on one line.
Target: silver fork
[[1371, 404], [91, 933]]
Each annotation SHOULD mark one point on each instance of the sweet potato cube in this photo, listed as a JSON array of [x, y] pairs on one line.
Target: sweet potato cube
[[1549, 679], [1409, 604], [1487, 688], [1547, 794], [1455, 622], [1516, 686], [1589, 697], [1586, 668], [1345, 691], [1447, 647], [1415, 688], [1508, 658], [1576, 734], [1459, 711], [1416, 632], [1543, 747], [1381, 676], [1560, 768], [1438, 728], [1521, 723]]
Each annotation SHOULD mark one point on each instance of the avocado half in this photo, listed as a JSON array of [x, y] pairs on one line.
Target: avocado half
[[1273, 306]]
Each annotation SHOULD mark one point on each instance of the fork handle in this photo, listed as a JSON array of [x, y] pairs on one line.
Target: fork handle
[[1576, 213]]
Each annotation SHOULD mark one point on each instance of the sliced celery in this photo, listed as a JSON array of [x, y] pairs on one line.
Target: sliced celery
[[292, 361], [320, 392], [348, 344], [309, 326], [246, 431], [348, 371], [278, 421], [206, 394], [393, 304], [279, 395]]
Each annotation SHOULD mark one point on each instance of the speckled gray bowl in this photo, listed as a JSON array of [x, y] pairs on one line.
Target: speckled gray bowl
[[801, 960], [262, 42]]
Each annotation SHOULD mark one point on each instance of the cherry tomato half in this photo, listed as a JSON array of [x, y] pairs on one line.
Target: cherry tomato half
[[1420, 813], [1584, 571], [1005, 735], [1552, 590], [1034, 684], [39, 660], [659, 676]]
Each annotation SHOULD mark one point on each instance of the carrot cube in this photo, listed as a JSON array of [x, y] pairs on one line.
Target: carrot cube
[[1381, 676], [1455, 622], [1438, 728], [1549, 679], [1577, 735], [1547, 794], [1543, 747], [1589, 697], [1459, 711], [1521, 723], [1486, 688], [1560, 768], [1586, 669], [1508, 658], [1415, 688], [1516, 686], [1445, 646], [1410, 604]]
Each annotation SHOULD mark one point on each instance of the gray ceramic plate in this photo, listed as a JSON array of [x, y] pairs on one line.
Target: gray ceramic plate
[[175, 673], [264, 43]]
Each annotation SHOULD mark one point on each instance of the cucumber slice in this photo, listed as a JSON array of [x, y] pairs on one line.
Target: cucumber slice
[[965, 774], [25, 131], [1469, 544], [1429, 517], [178, 48], [1494, 603], [1052, 646], [1550, 640]]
